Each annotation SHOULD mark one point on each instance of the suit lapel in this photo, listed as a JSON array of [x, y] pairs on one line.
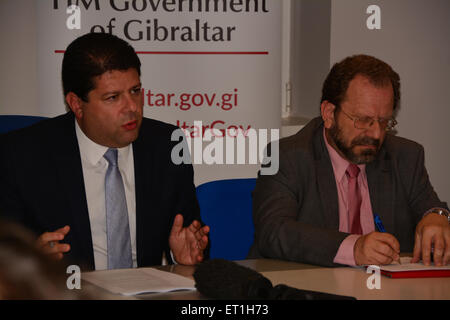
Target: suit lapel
[[326, 182], [381, 187], [68, 165], [142, 163]]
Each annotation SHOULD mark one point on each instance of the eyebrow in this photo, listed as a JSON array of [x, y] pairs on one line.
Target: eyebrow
[[380, 118], [118, 92], [136, 86], [110, 93]]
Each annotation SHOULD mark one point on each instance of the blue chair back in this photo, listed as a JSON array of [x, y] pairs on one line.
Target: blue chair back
[[14, 122], [226, 207]]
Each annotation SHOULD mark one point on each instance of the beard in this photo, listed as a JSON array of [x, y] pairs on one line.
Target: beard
[[365, 156]]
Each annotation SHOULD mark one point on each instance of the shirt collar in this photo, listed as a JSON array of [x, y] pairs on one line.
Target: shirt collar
[[92, 152], [339, 164]]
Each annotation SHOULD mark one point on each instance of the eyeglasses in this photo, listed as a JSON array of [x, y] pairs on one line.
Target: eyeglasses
[[366, 122]]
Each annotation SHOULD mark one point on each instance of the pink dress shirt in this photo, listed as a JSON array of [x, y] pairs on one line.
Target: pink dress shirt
[[345, 252]]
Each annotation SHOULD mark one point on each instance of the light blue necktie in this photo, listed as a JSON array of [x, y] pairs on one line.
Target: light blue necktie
[[117, 229]]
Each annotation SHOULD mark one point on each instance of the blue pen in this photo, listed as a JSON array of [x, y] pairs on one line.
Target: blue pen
[[381, 228], [379, 224]]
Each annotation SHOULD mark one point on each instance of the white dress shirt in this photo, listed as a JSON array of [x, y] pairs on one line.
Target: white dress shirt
[[94, 172]]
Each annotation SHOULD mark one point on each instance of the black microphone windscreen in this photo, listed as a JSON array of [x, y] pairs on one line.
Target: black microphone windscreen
[[283, 292], [223, 279]]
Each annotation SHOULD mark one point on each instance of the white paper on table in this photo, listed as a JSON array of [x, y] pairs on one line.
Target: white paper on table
[[406, 265], [138, 280]]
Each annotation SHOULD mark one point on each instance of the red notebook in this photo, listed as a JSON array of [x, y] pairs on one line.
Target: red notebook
[[414, 270]]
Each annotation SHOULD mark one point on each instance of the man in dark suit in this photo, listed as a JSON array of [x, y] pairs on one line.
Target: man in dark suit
[[55, 174], [341, 172]]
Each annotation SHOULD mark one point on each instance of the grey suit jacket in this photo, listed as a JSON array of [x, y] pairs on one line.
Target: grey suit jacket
[[296, 212]]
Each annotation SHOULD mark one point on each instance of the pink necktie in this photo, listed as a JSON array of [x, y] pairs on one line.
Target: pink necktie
[[354, 199]]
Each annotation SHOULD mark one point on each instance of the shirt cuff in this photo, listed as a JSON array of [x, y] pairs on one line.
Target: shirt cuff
[[173, 258], [345, 253]]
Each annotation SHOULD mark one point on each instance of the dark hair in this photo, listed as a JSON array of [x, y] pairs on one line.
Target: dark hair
[[378, 72], [92, 55]]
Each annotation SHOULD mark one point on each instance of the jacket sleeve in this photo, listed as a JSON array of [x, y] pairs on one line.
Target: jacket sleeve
[[422, 196], [11, 203]]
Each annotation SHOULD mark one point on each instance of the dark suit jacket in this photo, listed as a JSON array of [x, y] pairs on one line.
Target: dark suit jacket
[[296, 212], [42, 186]]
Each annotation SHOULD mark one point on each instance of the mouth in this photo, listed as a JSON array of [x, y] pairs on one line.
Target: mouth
[[366, 149], [367, 143], [130, 125], [371, 146]]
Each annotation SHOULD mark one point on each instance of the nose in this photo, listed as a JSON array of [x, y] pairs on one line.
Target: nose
[[375, 131], [132, 102]]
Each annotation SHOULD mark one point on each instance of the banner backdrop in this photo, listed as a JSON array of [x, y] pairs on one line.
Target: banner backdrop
[[214, 61]]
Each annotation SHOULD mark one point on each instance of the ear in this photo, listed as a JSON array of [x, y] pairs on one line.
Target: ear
[[75, 104], [327, 112]]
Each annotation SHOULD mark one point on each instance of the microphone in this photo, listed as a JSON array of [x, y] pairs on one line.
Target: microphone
[[226, 280], [284, 292], [222, 279]]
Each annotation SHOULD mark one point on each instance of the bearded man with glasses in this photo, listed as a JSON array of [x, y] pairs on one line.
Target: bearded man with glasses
[[343, 173]]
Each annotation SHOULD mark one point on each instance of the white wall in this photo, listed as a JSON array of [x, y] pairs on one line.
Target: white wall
[[415, 40], [311, 49]]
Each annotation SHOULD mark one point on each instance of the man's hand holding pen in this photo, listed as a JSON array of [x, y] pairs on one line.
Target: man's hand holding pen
[[377, 248]]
